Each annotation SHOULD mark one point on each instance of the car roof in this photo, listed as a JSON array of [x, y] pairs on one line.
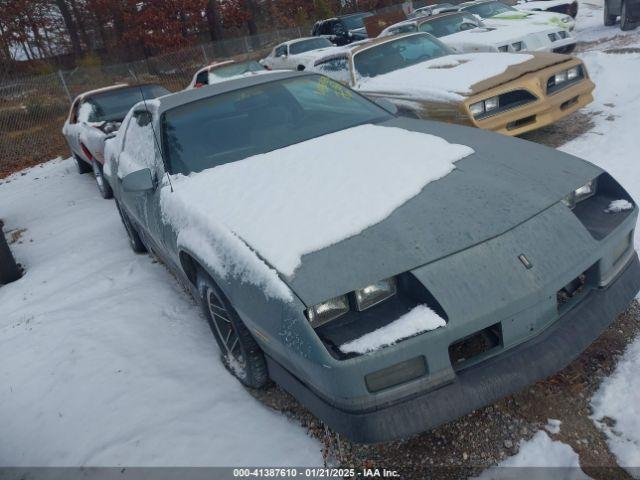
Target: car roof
[[425, 19], [381, 40], [168, 102]]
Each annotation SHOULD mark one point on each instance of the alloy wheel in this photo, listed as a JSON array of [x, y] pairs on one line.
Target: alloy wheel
[[227, 336]]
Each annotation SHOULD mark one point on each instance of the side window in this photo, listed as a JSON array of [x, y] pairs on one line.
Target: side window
[[326, 28], [281, 51], [140, 150], [203, 78], [336, 68]]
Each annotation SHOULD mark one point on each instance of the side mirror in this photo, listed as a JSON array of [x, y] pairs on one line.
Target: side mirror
[[388, 105], [140, 181]]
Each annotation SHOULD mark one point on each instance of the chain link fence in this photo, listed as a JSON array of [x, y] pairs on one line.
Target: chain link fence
[[33, 109]]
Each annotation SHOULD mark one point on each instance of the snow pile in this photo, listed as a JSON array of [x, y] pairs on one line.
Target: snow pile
[[553, 426], [106, 361], [446, 79], [616, 408], [559, 460], [618, 206], [305, 197], [419, 320]]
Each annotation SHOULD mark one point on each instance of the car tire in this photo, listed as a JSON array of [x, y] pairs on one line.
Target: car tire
[[103, 186], [239, 352], [134, 237], [626, 22], [609, 20], [83, 167]]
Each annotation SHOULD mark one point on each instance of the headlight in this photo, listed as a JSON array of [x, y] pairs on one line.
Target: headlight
[[374, 294], [563, 34], [503, 48], [518, 46], [485, 106], [326, 311], [558, 80], [588, 190]]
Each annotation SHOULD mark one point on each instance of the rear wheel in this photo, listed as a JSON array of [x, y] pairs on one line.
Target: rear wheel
[[240, 353], [134, 238], [626, 22], [103, 185], [83, 167]]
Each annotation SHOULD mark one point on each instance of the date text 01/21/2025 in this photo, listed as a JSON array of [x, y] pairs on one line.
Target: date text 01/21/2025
[[314, 473]]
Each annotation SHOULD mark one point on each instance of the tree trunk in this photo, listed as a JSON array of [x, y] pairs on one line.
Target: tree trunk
[[9, 271], [71, 26], [251, 22], [215, 26], [80, 23]]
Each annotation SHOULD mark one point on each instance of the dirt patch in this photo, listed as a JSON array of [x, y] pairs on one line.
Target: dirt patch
[[486, 436], [561, 132]]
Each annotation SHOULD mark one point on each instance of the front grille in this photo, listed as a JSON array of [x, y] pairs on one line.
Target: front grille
[[475, 346], [508, 101]]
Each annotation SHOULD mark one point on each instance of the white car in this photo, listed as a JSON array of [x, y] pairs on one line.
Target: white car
[[294, 54], [496, 14], [464, 33], [96, 115], [433, 10], [222, 71]]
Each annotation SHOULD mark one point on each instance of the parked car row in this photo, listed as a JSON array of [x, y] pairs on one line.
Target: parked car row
[[380, 265]]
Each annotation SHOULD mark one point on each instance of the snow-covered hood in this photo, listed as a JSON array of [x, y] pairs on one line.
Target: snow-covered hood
[[504, 183], [373, 208], [494, 37], [453, 77], [529, 17]]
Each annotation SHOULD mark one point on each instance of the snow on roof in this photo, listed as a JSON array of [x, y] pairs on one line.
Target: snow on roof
[[300, 199], [103, 89], [446, 78]]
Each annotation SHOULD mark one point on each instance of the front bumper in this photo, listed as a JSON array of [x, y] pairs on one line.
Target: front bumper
[[483, 383], [546, 110]]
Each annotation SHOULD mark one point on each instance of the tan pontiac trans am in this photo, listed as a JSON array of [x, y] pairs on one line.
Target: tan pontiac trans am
[[510, 93]]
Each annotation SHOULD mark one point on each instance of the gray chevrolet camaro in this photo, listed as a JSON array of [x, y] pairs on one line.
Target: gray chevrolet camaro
[[518, 253]]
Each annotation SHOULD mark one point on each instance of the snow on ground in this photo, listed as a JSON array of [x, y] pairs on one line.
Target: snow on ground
[[539, 459], [420, 319], [105, 359], [553, 426], [299, 199], [446, 78], [619, 399]]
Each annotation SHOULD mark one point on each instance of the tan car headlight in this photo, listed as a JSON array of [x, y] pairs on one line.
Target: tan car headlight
[[375, 293], [485, 106]]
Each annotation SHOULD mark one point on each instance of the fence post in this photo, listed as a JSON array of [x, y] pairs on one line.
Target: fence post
[[64, 85], [204, 54]]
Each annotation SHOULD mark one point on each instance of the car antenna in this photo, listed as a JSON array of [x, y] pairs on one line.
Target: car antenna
[[155, 138]]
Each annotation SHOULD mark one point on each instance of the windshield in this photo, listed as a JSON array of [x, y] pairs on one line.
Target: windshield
[[115, 105], [489, 9], [399, 53], [355, 22], [307, 45], [229, 127], [443, 26], [233, 69]]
